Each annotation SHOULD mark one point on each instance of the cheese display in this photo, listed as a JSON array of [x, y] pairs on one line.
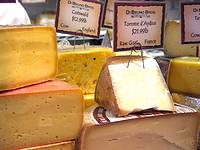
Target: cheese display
[[69, 145], [28, 56], [141, 131], [183, 76], [172, 42], [187, 100], [124, 89], [82, 67], [40, 114], [89, 100]]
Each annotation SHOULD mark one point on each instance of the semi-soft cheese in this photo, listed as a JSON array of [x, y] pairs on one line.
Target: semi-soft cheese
[[124, 88], [184, 75], [172, 42], [28, 56], [141, 131], [82, 67], [41, 114]]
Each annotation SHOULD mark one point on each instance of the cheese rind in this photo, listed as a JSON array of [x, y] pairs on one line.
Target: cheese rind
[[28, 56], [82, 67], [183, 75], [69, 145], [142, 132], [172, 43], [123, 89], [42, 114]]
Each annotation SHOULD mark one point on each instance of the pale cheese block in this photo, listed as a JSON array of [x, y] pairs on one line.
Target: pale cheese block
[[28, 56], [69, 145], [82, 67], [183, 75], [41, 114], [89, 100], [142, 131], [172, 41], [124, 89]]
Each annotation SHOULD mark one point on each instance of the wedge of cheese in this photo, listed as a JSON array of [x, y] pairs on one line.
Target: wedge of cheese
[[82, 67], [89, 100], [172, 41], [124, 89], [42, 114], [69, 145], [28, 56], [141, 131], [183, 75]]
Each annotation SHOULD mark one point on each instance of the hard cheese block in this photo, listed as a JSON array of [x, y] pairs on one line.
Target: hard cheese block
[[69, 145], [187, 100], [124, 89], [41, 114], [82, 67], [141, 131], [172, 43], [28, 56], [183, 76]]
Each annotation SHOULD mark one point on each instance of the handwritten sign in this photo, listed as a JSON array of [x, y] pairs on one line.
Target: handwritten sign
[[190, 23], [7, 1], [108, 14], [74, 16], [138, 23]]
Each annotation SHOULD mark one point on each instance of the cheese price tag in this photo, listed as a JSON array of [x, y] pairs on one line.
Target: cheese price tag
[[79, 17], [190, 23], [108, 14], [7, 1], [138, 23]]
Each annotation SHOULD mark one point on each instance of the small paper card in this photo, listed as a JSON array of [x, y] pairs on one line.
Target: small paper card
[[79, 17], [190, 23], [138, 23], [108, 14]]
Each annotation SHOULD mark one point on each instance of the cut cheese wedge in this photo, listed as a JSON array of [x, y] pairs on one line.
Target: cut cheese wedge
[[124, 89], [183, 75], [69, 145], [82, 67], [172, 43], [28, 56], [42, 114], [141, 131]]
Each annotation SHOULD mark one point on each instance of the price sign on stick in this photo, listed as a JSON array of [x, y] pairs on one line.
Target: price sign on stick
[[108, 14], [138, 23], [74, 16], [190, 23]]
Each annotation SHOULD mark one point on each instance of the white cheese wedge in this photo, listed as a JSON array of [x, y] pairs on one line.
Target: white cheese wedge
[[41, 114], [124, 89]]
